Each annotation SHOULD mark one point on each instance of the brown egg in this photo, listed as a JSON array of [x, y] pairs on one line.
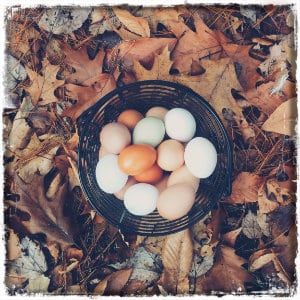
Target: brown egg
[[136, 159], [120, 194], [102, 151], [183, 175], [176, 201], [157, 111], [162, 184], [151, 175], [130, 117], [115, 137], [170, 155]]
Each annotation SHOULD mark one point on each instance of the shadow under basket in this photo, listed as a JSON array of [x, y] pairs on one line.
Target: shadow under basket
[[142, 96]]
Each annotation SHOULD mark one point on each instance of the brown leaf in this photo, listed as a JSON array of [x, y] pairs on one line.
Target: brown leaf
[[283, 119], [244, 188], [240, 54], [114, 283], [44, 216], [230, 237], [43, 86], [88, 94], [177, 257], [260, 258], [73, 253], [227, 274], [12, 246], [133, 27], [85, 68], [267, 101]]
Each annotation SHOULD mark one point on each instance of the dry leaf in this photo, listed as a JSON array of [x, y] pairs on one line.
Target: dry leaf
[[43, 86], [92, 91], [13, 246], [85, 68], [255, 226], [244, 188], [260, 258], [177, 257], [45, 216], [212, 85], [113, 283], [230, 237], [133, 27], [227, 274], [284, 119]]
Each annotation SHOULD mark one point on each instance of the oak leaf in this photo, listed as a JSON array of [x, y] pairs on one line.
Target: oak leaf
[[177, 257], [43, 85], [227, 274], [45, 216], [244, 188], [85, 68], [212, 85], [283, 120]]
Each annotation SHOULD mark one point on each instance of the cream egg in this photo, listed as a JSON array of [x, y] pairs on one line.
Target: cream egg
[[140, 199], [108, 174], [200, 157], [157, 111]]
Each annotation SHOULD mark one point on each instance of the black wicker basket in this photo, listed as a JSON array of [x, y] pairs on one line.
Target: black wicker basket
[[142, 96]]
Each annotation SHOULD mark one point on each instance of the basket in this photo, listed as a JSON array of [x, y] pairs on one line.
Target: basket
[[142, 96]]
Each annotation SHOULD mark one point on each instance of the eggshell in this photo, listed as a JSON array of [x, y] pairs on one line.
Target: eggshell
[[162, 184], [180, 124], [183, 175], [136, 159], [130, 117], [115, 137], [102, 152], [151, 175], [120, 194], [176, 201], [150, 131], [108, 175], [157, 111], [170, 155], [140, 199], [200, 157]]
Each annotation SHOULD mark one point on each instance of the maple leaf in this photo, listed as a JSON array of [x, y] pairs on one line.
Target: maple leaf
[[85, 68], [92, 90], [44, 216], [214, 85], [177, 256], [43, 86], [227, 274]]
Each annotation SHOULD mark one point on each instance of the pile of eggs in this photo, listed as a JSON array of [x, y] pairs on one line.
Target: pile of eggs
[[154, 162]]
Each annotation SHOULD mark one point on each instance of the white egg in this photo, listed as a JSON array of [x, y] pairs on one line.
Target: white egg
[[108, 174], [140, 199], [180, 124], [200, 157]]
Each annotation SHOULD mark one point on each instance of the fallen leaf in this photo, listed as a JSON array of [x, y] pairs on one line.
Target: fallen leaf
[[13, 246], [260, 258], [15, 72], [38, 285], [99, 22], [227, 274], [43, 86], [88, 94], [45, 216], [254, 227], [230, 237], [85, 68], [283, 120], [114, 283], [133, 27], [244, 188], [177, 256], [201, 265], [212, 85]]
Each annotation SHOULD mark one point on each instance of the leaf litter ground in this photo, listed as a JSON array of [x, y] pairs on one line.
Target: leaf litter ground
[[61, 60]]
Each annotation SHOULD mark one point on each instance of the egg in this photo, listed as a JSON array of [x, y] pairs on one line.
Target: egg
[[170, 155], [176, 201], [130, 117], [149, 130], [103, 151], [162, 184], [200, 157], [135, 159], [140, 199], [157, 111], [108, 174], [115, 137], [151, 175], [120, 194], [183, 175], [180, 124]]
